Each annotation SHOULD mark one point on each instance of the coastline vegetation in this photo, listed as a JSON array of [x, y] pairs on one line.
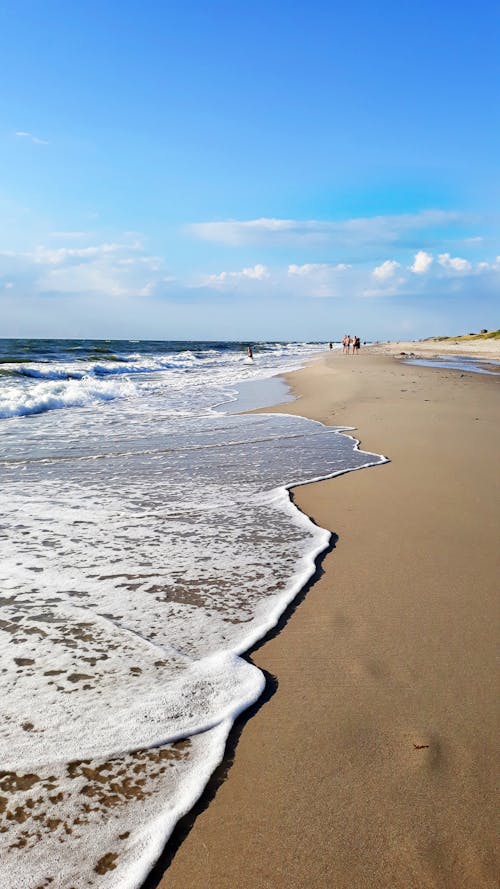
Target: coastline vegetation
[[486, 335]]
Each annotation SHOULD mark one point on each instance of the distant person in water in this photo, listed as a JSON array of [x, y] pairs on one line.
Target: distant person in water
[[250, 353], [330, 346]]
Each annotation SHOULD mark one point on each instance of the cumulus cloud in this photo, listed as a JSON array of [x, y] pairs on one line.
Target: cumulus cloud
[[391, 281], [321, 279], [122, 267], [32, 138], [350, 232], [342, 280], [455, 263], [386, 270], [313, 268], [489, 266], [256, 272], [306, 269], [118, 269], [421, 263]]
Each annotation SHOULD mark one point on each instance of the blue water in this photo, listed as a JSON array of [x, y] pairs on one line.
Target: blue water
[[46, 375]]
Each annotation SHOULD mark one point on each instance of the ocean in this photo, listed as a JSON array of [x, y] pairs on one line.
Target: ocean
[[148, 540]]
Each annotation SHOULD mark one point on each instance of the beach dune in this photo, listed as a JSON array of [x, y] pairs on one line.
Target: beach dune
[[373, 763], [475, 345]]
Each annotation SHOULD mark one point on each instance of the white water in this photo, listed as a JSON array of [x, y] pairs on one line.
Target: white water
[[36, 386], [147, 543]]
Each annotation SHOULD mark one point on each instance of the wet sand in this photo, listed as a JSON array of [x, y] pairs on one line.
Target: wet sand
[[373, 762]]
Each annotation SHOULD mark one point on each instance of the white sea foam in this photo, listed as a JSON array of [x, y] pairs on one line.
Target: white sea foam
[[37, 387], [55, 393], [147, 544]]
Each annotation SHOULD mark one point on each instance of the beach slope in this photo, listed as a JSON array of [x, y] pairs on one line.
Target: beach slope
[[372, 764]]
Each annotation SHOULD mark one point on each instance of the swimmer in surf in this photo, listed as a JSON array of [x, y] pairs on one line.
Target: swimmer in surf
[[250, 353]]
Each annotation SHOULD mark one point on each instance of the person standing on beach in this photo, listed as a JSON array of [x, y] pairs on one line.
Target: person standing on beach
[[355, 344]]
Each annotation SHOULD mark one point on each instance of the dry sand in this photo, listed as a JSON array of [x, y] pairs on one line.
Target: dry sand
[[487, 348], [372, 764]]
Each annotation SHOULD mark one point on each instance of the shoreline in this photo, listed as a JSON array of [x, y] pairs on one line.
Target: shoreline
[[217, 829]]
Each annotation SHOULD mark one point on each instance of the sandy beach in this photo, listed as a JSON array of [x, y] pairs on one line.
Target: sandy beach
[[370, 763], [488, 348]]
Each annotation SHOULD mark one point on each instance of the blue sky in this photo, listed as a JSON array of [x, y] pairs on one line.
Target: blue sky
[[234, 170]]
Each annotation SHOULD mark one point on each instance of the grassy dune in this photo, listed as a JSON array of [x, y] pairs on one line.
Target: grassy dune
[[490, 335]]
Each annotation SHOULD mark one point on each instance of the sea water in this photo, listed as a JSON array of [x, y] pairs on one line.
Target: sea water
[[470, 364], [147, 541]]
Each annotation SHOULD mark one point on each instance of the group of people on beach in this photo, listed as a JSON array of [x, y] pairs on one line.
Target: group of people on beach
[[350, 344]]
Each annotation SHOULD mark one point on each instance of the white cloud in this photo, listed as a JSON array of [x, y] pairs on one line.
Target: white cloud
[[421, 263], [358, 231], [311, 279], [343, 280], [313, 268], [253, 273], [32, 138], [118, 269], [258, 272], [386, 270], [234, 232], [121, 267], [489, 266], [309, 268], [322, 279], [68, 235], [455, 263], [62, 255]]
